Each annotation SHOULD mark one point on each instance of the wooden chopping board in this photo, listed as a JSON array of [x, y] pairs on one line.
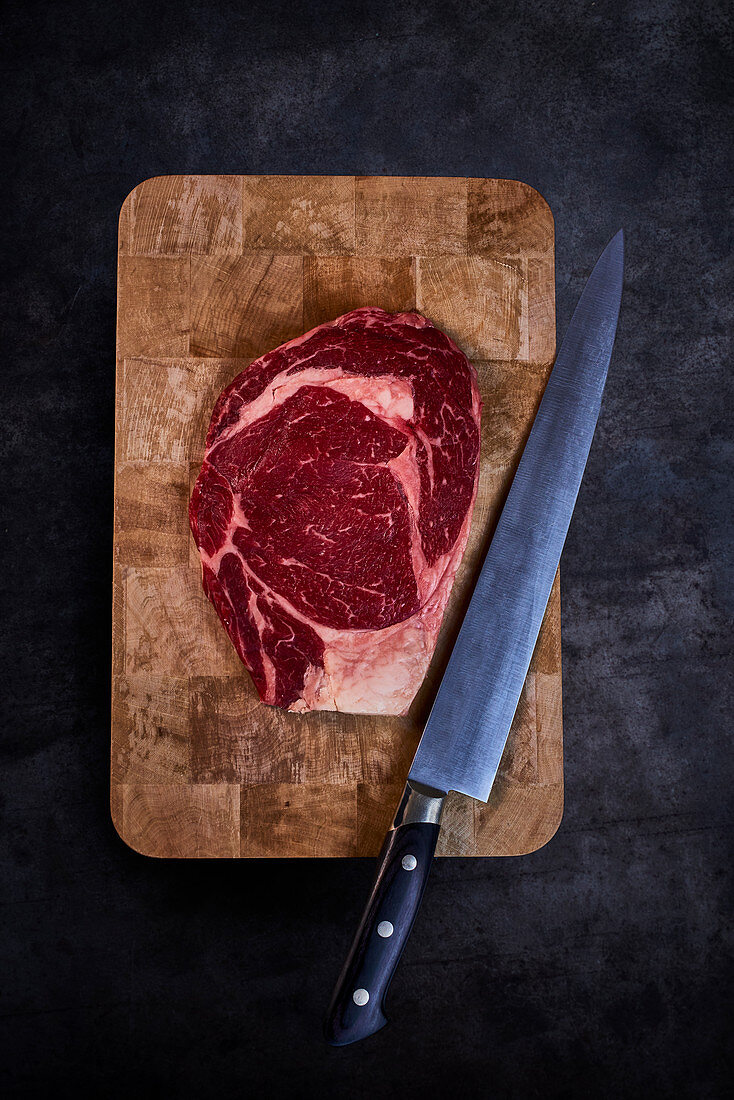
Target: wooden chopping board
[[213, 272]]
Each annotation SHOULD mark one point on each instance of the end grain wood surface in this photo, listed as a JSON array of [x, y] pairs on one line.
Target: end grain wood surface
[[213, 272]]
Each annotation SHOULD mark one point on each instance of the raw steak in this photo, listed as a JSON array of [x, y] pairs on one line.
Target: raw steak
[[333, 508]]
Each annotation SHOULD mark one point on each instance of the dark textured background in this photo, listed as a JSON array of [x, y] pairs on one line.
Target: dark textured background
[[593, 968]]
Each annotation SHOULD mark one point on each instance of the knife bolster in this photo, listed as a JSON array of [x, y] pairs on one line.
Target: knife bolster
[[419, 803]]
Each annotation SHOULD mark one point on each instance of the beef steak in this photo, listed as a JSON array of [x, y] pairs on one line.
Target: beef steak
[[333, 507]]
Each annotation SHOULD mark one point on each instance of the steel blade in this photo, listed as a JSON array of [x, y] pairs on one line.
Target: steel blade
[[467, 728]]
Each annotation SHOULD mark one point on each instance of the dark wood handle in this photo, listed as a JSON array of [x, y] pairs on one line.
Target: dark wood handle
[[356, 1008]]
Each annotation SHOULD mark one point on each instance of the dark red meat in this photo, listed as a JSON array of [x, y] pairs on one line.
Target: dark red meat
[[333, 507]]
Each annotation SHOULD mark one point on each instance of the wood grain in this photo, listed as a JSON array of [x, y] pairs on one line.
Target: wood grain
[[297, 819], [214, 271], [191, 821], [335, 284], [410, 215], [158, 323], [506, 218], [299, 214], [479, 301], [170, 215], [245, 305]]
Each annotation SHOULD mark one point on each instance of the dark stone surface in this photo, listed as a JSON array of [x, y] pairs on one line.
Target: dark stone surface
[[594, 967]]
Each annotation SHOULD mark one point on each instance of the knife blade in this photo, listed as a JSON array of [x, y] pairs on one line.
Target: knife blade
[[466, 731]]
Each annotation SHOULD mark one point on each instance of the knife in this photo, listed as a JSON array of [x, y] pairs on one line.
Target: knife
[[467, 728]]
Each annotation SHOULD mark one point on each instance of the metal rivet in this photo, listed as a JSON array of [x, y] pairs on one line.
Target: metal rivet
[[409, 863], [360, 997], [385, 929]]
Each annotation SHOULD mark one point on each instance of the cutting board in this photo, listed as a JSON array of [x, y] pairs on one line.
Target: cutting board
[[214, 271]]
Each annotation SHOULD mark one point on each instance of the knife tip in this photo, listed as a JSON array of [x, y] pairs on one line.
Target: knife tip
[[615, 249]]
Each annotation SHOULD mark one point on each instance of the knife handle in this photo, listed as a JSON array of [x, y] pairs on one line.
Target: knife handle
[[356, 1008]]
